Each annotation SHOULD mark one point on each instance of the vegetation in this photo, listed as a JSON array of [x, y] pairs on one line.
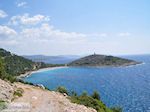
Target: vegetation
[[2, 105], [73, 93], [2, 70], [116, 109], [12, 65], [62, 89], [96, 95], [16, 65], [3, 74], [102, 60], [18, 92], [92, 101]]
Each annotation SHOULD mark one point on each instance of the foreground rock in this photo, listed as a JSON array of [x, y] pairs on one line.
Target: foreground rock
[[35, 99], [6, 91]]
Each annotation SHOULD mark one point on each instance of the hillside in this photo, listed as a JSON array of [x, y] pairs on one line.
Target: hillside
[[102, 60], [60, 59], [15, 65], [40, 100]]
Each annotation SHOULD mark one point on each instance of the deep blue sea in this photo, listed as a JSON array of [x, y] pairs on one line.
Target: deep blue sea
[[127, 87]]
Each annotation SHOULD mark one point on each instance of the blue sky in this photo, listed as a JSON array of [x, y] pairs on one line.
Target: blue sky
[[59, 27]]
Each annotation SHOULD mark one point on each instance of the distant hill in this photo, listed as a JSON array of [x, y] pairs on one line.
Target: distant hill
[[62, 59], [15, 65], [102, 60]]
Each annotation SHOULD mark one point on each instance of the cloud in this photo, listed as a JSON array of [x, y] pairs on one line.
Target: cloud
[[22, 4], [25, 19], [3, 14], [124, 34], [6, 32], [47, 32], [41, 37], [98, 35]]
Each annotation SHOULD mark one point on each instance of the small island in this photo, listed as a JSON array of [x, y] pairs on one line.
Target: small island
[[96, 60]]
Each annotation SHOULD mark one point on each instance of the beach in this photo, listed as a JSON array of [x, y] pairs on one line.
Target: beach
[[39, 70]]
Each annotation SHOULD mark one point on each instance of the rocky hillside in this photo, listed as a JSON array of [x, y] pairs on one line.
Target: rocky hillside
[[6, 91], [102, 60], [35, 99]]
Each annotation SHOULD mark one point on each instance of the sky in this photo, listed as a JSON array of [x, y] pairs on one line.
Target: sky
[[75, 27]]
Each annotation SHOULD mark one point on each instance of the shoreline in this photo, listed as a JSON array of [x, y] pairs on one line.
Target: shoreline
[[114, 66], [39, 70], [53, 68]]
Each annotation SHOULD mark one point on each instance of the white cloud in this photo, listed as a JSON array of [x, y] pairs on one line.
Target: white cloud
[[45, 39], [45, 35], [98, 35], [6, 32], [21, 4], [3, 14], [47, 32], [124, 34], [27, 20]]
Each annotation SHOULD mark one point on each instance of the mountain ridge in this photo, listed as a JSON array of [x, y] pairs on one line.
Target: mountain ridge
[[60, 59]]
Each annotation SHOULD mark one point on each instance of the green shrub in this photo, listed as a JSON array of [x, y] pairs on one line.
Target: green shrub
[[3, 74], [62, 89], [116, 109], [84, 93], [96, 95], [93, 101], [2, 105], [18, 92], [90, 102], [73, 93]]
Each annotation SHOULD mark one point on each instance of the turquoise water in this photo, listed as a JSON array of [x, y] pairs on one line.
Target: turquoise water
[[128, 87]]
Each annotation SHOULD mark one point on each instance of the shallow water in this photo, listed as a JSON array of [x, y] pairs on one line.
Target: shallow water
[[128, 87]]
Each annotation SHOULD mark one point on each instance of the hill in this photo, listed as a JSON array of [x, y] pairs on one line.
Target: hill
[[16, 65], [102, 60], [60, 59]]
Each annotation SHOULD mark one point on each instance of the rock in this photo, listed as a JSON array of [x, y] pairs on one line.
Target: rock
[[40, 85], [6, 91], [65, 94]]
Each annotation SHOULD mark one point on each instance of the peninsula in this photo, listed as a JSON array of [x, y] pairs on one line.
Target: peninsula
[[96, 60]]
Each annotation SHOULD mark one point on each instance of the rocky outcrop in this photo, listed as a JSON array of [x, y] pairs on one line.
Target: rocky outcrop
[[36, 99], [6, 91]]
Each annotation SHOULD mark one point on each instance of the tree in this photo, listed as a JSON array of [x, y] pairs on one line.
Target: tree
[[84, 93], [96, 95], [116, 109], [62, 89], [2, 70], [73, 93]]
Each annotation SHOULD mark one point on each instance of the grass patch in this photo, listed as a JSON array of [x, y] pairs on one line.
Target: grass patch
[[2, 105], [18, 92]]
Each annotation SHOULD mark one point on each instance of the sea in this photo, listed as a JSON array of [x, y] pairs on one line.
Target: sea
[[126, 87]]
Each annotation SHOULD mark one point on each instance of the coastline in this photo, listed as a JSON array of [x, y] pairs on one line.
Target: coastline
[[39, 70], [114, 66], [53, 68]]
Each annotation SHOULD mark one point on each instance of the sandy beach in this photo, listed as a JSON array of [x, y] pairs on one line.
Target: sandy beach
[[39, 70]]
